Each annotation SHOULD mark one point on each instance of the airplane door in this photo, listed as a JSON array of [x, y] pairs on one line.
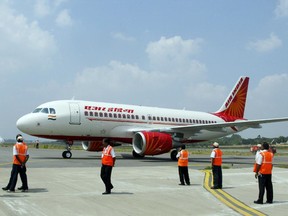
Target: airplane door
[[74, 114]]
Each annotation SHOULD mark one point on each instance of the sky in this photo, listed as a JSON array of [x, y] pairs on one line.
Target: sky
[[184, 54]]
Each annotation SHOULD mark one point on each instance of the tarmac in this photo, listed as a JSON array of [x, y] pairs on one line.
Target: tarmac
[[140, 188]]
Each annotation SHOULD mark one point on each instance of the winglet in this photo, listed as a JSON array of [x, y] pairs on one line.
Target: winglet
[[234, 106]]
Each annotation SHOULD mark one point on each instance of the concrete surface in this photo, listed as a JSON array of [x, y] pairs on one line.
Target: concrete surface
[[140, 188]]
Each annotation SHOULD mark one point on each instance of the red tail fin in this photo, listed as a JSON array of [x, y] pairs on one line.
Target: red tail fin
[[234, 106]]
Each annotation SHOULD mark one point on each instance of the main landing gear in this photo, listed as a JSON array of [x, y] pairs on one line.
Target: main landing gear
[[67, 154], [173, 155]]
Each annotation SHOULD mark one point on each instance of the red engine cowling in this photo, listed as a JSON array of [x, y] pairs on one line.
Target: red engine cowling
[[92, 145], [152, 143]]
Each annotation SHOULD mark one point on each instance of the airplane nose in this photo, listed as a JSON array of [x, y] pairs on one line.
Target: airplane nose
[[23, 124]]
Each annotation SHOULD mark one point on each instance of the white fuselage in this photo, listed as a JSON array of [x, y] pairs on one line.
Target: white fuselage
[[86, 120]]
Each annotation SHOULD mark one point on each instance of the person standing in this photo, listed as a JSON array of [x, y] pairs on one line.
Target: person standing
[[183, 156], [263, 172], [20, 157], [257, 154], [216, 163], [108, 162]]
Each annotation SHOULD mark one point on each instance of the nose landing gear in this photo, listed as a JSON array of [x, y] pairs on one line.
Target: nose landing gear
[[67, 154]]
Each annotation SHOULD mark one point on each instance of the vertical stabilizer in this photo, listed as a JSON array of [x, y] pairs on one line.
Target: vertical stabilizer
[[234, 106]]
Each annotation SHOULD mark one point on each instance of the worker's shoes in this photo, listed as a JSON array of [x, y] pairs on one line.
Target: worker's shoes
[[5, 188], [258, 202], [106, 192]]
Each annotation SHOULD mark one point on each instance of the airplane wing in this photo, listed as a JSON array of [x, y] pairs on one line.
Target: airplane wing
[[217, 127]]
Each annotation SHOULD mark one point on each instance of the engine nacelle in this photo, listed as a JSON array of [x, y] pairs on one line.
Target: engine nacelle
[[152, 143], [92, 145]]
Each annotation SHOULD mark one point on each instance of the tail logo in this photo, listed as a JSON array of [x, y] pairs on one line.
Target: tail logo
[[234, 106]]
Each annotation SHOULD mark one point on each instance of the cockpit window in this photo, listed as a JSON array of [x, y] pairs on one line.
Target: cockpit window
[[52, 111], [37, 110], [44, 110]]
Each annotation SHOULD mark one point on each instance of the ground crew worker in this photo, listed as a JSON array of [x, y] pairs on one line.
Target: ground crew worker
[[259, 146], [264, 174], [108, 162], [183, 156], [20, 157], [216, 163]]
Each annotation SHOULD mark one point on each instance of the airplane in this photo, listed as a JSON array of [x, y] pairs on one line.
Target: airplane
[[150, 130]]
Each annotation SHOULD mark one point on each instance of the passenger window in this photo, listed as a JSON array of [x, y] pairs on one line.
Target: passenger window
[[44, 110], [115, 115], [91, 113], [143, 117], [110, 115], [86, 113], [119, 116]]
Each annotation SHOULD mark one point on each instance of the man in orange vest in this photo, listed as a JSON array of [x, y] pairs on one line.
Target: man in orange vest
[[183, 156], [20, 157], [108, 162], [263, 172], [216, 163]]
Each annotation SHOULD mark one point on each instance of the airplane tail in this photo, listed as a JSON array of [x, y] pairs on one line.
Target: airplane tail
[[234, 106]]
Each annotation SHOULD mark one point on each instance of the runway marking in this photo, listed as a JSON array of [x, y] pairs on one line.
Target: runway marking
[[229, 200]]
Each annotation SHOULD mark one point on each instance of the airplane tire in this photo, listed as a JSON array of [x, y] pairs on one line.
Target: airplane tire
[[66, 154], [173, 155]]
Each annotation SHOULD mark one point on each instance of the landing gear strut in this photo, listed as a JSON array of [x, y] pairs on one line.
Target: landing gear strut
[[67, 154]]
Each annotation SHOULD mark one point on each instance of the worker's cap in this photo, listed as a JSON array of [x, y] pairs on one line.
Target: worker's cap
[[215, 144], [259, 145], [19, 138]]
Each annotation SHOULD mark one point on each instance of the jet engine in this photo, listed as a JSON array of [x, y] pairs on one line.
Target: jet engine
[[152, 143], [92, 145]]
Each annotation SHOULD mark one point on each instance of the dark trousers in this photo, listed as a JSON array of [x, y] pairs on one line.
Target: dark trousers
[[17, 169], [106, 172], [183, 174], [217, 176], [265, 182]]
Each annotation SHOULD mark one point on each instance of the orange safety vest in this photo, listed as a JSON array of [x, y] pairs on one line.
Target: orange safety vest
[[218, 157], [266, 166], [107, 157], [21, 149], [183, 159]]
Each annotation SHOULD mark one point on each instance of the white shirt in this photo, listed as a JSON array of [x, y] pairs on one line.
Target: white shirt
[[259, 159], [213, 154]]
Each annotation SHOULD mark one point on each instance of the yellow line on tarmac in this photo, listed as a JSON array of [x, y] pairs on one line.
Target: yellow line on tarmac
[[229, 200]]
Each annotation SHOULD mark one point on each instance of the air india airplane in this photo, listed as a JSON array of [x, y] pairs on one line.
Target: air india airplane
[[151, 130]]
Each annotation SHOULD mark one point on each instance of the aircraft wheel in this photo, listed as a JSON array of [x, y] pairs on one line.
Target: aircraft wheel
[[66, 154], [173, 155]]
